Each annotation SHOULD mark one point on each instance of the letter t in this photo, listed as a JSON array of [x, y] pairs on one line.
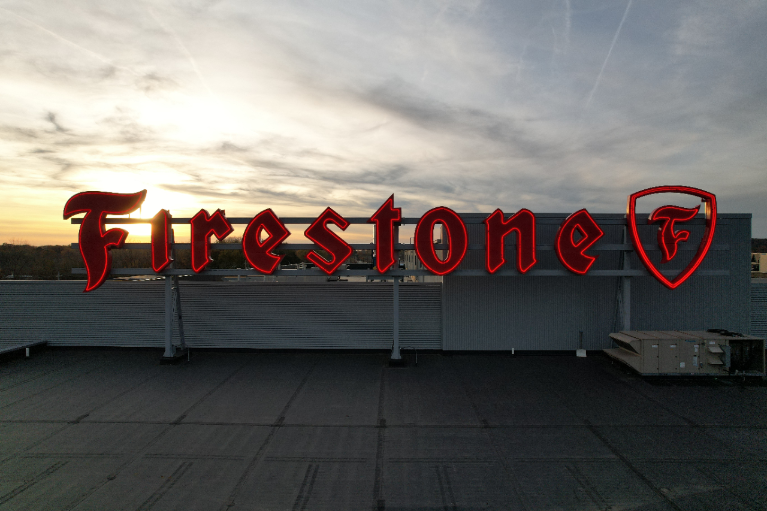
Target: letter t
[[385, 219]]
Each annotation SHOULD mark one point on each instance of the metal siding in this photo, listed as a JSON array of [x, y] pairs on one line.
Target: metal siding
[[117, 314], [420, 320], [759, 309], [542, 313], [702, 302], [217, 314], [546, 313], [468, 313]]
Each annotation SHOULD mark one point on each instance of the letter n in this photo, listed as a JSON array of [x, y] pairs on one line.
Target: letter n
[[496, 228]]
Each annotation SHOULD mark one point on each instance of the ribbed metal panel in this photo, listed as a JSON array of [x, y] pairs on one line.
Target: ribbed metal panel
[[759, 309], [546, 313], [216, 314], [476, 313], [542, 313], [117, 314], [702, 302], [307, 315]]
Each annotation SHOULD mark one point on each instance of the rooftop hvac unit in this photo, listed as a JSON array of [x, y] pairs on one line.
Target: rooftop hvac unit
[[667, 352]]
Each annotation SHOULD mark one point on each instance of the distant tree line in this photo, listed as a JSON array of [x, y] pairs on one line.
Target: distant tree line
[[19, 260]]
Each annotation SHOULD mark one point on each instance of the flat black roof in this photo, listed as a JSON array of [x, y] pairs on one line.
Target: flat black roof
[[113, 429]]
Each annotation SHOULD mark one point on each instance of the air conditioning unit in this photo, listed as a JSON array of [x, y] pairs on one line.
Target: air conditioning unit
[[674, 352]]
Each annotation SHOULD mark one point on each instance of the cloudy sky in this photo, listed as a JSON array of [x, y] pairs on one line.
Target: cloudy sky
[[470, 104]]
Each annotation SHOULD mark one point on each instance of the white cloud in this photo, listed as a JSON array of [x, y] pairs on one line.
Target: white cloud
[[295, 106]]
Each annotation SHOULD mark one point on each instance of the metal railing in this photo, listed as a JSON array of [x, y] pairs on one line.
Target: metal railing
[[625, 272]]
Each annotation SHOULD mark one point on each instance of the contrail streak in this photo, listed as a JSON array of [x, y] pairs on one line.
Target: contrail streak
[[615, 38], [184, 50], [568, 23], [67, 41]]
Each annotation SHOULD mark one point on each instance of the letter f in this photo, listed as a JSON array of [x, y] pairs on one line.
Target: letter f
[[668, 239], [95, 242]]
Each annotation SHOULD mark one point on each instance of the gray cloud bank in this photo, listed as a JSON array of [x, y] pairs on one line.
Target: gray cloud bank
[[295, 106]]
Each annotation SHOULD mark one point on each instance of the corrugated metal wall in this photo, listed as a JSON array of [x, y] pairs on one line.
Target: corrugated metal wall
[[465, 313], [701, 302], [546, 313], [759, 308], [540, 313], [344, 315], [118, 314]]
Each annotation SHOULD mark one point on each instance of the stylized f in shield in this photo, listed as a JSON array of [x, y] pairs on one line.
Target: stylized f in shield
[[670, 233]]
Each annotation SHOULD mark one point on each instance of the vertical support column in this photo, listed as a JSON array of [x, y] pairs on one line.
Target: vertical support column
[[177, 305], [395, 355], [177, 293], [626, 303], [169, 350], [626, 285], [173, 309]]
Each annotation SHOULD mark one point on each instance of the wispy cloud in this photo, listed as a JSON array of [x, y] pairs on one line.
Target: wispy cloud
[[298, 106], [607, 57]]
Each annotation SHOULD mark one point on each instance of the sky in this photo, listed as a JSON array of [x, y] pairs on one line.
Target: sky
[[473, 105]]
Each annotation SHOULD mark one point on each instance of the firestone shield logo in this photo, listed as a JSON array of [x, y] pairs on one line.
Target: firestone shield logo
[[669, 233]]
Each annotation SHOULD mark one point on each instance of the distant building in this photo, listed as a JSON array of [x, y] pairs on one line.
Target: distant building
[[412, 262], [758, 263]]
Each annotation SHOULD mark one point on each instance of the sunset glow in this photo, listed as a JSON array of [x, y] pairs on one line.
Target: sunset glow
[[469, 105]]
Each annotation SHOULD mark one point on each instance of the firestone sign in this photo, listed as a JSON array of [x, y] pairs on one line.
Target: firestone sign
[[265, 233]]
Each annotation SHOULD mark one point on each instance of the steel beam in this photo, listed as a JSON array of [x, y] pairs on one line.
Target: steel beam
[[395, 354], [170, 351]]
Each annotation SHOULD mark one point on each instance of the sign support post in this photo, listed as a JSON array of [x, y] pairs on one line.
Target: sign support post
[[177, 306], [170, 350], [626, 285], [396, 358], [173, 307]]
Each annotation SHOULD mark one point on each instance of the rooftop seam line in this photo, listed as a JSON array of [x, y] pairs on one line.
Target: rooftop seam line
[[78, 375], [689, 422], [183, 415], [378, 502], [749, 503], [165, 487], [230, 502], [140, 453], [67, 424], [507, 468], [631, 466], [25, 486]]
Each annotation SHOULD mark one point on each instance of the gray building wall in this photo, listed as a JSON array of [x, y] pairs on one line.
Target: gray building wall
[[343, 315], [546, 313], [759, 308], [464, 313]]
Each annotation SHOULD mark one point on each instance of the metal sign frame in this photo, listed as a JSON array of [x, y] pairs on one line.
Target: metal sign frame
[[571, 252]]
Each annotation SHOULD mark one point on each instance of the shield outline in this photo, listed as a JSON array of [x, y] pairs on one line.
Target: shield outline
[[708, 198]]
